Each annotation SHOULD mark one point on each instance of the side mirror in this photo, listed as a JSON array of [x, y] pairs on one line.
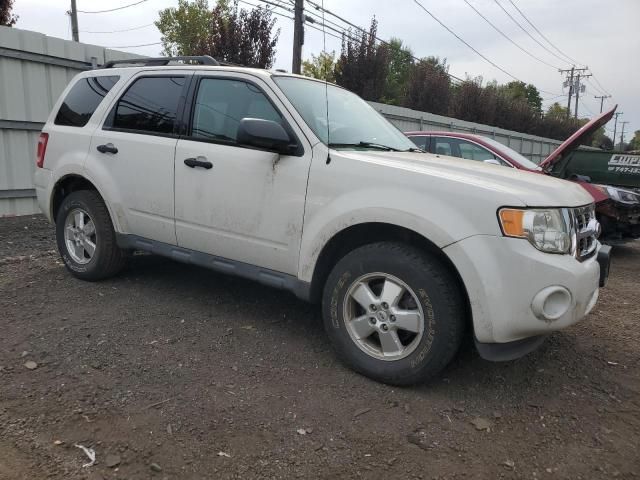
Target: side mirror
[[492, 161], [267, 134]]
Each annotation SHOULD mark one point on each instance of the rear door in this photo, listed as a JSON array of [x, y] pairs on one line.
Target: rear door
[[248, 205], [132, 155]]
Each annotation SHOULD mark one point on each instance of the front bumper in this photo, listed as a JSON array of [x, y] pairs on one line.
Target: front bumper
[[516, 292]]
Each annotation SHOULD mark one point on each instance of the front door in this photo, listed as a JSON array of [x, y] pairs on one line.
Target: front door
[[235, 202]]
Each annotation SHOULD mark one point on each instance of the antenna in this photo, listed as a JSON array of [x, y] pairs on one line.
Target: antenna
[[326, 85]]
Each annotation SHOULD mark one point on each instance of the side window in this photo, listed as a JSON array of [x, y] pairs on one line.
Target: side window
[[420, 141], [471, 151], [221, 104], [149, 105], [83, 99], [442, 146]]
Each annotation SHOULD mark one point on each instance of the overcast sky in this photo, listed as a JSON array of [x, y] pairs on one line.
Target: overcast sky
[[600, 34]]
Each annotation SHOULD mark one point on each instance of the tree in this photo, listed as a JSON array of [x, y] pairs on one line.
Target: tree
[[400, 64], [322, 67], [517, 90], [634, 143], [466, 101], [601, 140], [557, 112], [7, 19], [363, 66], [428, 86], [185, 29], [227, 33]]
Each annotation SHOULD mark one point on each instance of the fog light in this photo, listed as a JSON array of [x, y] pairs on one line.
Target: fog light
[[551, 303]]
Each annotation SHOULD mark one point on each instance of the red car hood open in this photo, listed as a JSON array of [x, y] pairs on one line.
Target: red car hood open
[[575, 140]]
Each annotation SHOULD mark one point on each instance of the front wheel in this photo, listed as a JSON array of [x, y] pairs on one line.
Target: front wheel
[[86, 238], [393, 312]]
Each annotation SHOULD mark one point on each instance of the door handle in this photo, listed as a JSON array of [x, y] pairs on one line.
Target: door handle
[[194, 162], [108, 148]]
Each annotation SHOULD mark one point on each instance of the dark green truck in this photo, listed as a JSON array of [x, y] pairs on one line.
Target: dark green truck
[[618, 175]]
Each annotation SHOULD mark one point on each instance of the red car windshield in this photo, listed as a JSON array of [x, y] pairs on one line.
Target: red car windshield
[[511, 153]]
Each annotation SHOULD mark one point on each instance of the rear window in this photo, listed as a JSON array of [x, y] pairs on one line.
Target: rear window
[[83, 99], [150, 105]]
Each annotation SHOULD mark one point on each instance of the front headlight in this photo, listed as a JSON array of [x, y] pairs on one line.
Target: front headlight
[[547, 229], [621, 195]]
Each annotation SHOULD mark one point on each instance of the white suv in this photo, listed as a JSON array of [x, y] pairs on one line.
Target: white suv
[[244, 171]]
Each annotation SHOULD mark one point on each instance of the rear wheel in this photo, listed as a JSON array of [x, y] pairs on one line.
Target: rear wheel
[[86, 238], [393, 312]]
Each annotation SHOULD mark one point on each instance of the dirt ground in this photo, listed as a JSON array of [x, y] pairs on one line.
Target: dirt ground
[[174, 372]]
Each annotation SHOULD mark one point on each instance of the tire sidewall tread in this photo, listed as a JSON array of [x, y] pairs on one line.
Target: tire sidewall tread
[[108, 258], [437, 290]]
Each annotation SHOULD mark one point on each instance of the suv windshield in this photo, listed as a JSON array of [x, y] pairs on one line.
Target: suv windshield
[[353, 123], [518, 157]]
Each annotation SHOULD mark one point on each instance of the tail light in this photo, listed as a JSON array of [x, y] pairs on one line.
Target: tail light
[[42, 148]]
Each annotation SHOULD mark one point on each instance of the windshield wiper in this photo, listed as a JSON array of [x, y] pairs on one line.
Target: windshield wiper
[[378, 146]]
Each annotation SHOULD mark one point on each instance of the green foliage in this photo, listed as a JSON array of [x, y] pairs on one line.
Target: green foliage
[[557, 112], [185, 29], [400, 66], [7, 19], [227, 33], [428, 86], [363, 65], [322, 67], [634, 143], [601, 140], [520, 91]]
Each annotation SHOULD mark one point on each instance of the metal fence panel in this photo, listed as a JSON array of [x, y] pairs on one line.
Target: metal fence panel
[[34, 69]]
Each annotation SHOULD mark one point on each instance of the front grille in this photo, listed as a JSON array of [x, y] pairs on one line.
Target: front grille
[[586, 229]]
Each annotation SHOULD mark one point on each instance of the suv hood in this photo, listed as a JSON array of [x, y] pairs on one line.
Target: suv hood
[[575, 140], [529, 188]]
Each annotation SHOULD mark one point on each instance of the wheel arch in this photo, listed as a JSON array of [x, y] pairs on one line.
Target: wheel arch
[[358, 235], [68, 184]]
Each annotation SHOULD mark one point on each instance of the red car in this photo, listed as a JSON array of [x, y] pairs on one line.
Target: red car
[[488, 150]]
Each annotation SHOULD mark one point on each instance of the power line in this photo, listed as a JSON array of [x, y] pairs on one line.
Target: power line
[[527, 32], [113, 9], [542, 35], [136, 46], [586, 108], [463, 41], [603, 89], [602, 99], [123, 30], [272, 11], [318, 7], [508, 38]]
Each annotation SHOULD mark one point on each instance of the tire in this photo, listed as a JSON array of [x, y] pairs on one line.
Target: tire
[[107, 259], [432, 302]]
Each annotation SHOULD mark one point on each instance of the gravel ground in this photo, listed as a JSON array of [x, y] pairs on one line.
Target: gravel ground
[[171, 371]]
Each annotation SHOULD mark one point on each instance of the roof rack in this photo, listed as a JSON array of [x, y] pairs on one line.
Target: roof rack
[[162, 61]]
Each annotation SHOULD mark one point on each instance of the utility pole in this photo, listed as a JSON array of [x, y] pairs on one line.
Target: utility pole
[[622, 135], [579, 88], [298, 36], [602, 97], [569, 82], [74, 21], [615, 127]]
